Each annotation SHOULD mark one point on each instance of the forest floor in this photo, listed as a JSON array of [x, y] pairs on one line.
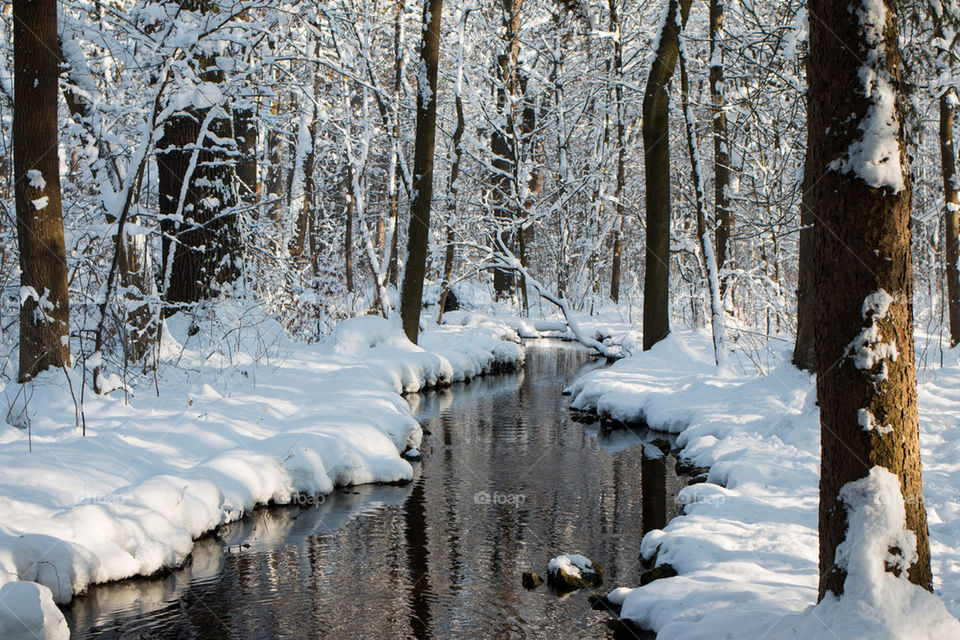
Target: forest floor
[[745, 550]]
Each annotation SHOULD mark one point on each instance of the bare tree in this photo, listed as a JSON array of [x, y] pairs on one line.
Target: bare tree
[[656, 149], [866, 377], [418, 238], [44, 300]]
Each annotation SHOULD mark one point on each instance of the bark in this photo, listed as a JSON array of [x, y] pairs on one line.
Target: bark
[[246, 133], [196, 183], [503, 145], [866, 378], [453, 190], [418, 238], [348, 229], [393, 270], [621, 154], [721, 142], [951, 213], [717, 325], [656, 150], [804, 348], [44, 306]]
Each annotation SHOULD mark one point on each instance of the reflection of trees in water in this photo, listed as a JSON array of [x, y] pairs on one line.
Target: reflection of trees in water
[[653, 488], [442, 565]]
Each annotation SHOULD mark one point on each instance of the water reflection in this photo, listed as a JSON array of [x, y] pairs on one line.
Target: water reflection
[[508, 481]]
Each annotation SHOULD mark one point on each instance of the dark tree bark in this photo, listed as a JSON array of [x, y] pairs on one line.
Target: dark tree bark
[[951, 213], [348, 228], [418, 238], [45, 306], [452, 203], [721, 143], [866, 378], [196, 180], [803, 350], [503, 145], [246, 132], [617, 72], [656, 152]]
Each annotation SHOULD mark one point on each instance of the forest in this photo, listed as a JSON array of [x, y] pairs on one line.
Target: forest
[[256, 254]]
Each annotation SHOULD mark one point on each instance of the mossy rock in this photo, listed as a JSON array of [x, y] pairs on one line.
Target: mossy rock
[[531, 580], [569, 573], [657, 573]]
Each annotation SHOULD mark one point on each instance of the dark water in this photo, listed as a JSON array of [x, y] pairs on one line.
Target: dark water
[[508, 480]]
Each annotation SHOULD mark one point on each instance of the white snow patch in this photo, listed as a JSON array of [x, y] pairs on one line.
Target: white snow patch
[[27, 612], [35, 179], [875, 157]]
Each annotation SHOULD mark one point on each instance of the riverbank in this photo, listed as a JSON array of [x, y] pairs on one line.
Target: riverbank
[[235, 419], [746, 549]]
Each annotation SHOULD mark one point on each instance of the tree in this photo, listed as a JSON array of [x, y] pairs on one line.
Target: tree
[[196, 174], [866, 378], [418, 238], [44, 300], [656, 151], [616, 64], [948, 163], [721, 143]]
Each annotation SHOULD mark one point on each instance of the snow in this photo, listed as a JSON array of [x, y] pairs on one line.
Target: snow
[[875, 156], [27, 612], [243, 419], [572, 564], [745, 548], [35, 179]]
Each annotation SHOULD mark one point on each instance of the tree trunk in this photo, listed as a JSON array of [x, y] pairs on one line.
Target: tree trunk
[[454, 178], [418, 239], [348, 229], [393, 270], [197, 174], [711, 271], [721, 143], [621, 153], [804, 348], [44, 299], [656, 151], [951, 214], [866, 378], [245, 132], [503, 145]]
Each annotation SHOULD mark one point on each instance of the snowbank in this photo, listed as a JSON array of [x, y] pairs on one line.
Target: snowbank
[[239, 421], [746, 548]]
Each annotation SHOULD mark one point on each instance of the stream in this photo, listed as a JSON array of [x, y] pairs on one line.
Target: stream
[[508, 480]]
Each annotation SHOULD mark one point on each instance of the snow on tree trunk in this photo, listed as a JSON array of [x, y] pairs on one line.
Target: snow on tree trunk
[[866, 382], [44, 302]]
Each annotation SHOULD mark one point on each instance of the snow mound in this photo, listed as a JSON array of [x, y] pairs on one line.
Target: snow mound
[[875, 602], [27, 612], [242, 420], [745, 548]]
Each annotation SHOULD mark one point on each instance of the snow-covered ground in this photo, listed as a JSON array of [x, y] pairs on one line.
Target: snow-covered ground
[[746, 548], [244, 418]]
